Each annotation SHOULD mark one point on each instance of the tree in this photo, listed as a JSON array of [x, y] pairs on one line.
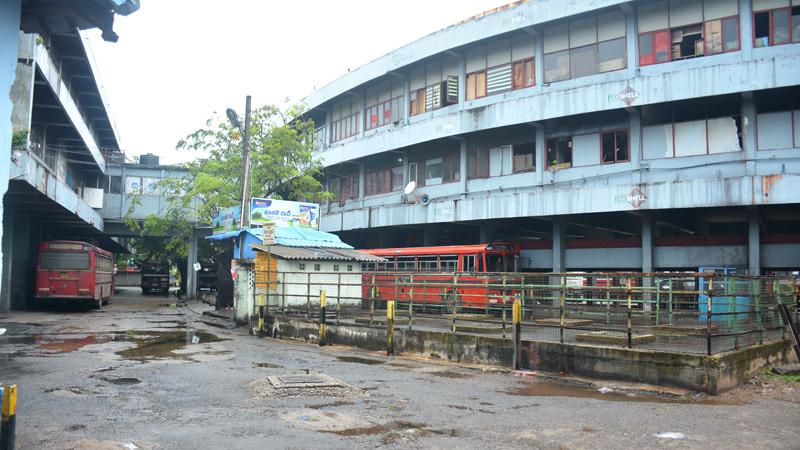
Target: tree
[[282, 167]]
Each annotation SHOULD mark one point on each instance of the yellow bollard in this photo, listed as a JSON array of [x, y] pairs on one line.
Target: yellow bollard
[[323, 302], [390, 328], [9, 418], [516, 313]]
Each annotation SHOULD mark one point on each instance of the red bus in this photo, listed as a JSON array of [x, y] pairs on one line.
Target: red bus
[[426, 275], [74, 271]]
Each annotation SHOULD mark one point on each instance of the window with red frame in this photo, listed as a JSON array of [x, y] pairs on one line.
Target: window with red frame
[[343, 188], [775, 26], [477, 163], [523, 74], [381, 181], [344, 128]]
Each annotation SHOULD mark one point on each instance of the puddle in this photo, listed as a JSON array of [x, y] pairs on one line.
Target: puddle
[[77, 427], [451, 374], [122, 380], [268, 365], [396, 429], [154, 345], [546, 389], [330, 405], [359, 360]]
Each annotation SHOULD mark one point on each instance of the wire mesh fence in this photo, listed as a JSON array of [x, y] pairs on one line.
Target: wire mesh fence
[[678, 312]]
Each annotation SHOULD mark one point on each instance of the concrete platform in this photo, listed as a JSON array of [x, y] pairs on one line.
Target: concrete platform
[[604, 337]]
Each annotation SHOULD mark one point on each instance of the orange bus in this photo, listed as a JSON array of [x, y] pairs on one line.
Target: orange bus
[[74, 271], [469, 276]]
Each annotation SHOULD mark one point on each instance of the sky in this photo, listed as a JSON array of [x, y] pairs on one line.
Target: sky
[[180, 62]]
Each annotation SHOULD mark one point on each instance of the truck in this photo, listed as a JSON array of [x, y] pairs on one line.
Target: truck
[[207, 277], [155, 277]]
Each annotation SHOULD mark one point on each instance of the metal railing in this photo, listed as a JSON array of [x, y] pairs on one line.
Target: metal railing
[[677, 312]]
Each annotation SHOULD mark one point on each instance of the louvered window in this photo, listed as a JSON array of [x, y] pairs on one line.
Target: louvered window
[[498, 79]]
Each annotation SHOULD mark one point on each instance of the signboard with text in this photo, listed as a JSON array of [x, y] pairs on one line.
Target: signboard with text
[[283, 213], [227, 219]]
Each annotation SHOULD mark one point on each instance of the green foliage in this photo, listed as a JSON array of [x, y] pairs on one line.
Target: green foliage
[[19, 139]]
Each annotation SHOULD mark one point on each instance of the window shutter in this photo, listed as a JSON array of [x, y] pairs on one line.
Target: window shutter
[[452, 89], [433, 97], [498, 79]]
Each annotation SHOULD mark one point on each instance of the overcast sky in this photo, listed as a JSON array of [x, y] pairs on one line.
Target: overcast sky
[[178, 62]]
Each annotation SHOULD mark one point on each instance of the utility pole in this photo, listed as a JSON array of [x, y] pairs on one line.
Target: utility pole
[[245, 219]]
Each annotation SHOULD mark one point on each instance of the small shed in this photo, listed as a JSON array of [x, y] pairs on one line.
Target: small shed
[[294, 276]]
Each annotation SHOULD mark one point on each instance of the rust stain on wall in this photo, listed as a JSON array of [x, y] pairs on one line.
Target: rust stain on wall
[[767, 183]]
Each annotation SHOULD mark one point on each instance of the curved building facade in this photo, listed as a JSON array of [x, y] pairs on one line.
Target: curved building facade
[[601, 135]]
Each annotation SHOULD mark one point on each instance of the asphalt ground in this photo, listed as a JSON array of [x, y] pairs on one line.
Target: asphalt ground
[[148, 372]]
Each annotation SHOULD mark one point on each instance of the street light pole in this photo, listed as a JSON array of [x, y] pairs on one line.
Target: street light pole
[[245, 218]]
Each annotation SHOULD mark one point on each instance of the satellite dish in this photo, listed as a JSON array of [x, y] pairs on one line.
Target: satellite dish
[[410, 187]]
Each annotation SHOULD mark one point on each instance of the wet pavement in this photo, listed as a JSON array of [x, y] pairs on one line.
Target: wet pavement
[[146, 372]]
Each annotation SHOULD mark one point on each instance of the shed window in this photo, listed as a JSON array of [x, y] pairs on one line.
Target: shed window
[[301, 266], [335, 267], [349, 267], [316, 267]]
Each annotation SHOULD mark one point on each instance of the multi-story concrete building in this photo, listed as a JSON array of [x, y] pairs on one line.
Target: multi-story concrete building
[[641, 135]]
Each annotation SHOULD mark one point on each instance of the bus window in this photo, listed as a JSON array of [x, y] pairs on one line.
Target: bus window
[[64, 261], [494, 263], [428, 263], [406, 264], [480, 267], [448, 263], [469, 263]]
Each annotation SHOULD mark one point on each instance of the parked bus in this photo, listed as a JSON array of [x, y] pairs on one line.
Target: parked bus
[[155, 277], [426, 275], [74, 271]]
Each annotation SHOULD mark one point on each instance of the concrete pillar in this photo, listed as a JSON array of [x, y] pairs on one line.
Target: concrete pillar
[[631, 42], [22, 89], [538, 60], [191, 275], [648, 236], [541, 149], [753, 241], [462, 166], [749, 143], [746, 28], [406, 98], [487, 232], [10, 13], [559, 244], [7, 249], [462, 79], [429, 236], [362, 183]]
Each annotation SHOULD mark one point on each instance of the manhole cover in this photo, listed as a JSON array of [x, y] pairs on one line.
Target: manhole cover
[[303, 381]]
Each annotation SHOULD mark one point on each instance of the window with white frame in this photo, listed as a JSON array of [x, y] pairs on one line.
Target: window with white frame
[[585, 47]]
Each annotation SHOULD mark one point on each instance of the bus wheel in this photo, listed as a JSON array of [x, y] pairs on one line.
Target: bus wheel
[[97, 304]]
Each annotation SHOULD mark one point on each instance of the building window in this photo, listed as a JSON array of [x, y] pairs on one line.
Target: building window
[[680, 29], [384, 103], [775, 26], [524, 157], [500, 66], [345, 127], [523, 74], [692, 127], [133, 185], [433, 86], [316, 267], [335, 267], [349, 267], [440, 170], [301, 266], [343, 188], [559, 152], [412, 173], [778, 118], [381, 181], [115, 184], [476, 85], [615, 146], [477, 163], [585, 47]]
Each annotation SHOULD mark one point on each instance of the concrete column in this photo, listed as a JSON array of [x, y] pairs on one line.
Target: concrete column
[[487, 232], [749, 144], [538, 60], [7, 249], [362, 115], [191, 275], [406, 98], [22, 89], [429, 235], [361, 183], [632, 43], [559, 244], [746, 28], [10, 13], [462, 166], [462, 79], [753, 241], [648, 235], [541, 149]]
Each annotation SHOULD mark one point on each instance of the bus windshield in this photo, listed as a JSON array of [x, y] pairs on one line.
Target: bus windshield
[[155, 269], [499, 263], [64, 261]]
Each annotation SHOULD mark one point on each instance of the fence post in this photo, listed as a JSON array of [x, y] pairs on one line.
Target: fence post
[[630, 305], [756, 288], [710, 304], [261, 299], [390, 328], [323, 302], [670, 300], [517, 317], [562, 306], [9, 418], [373, 292], [308, 296], [411, 301], [608, 299], [338, 297], [658, 301]]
